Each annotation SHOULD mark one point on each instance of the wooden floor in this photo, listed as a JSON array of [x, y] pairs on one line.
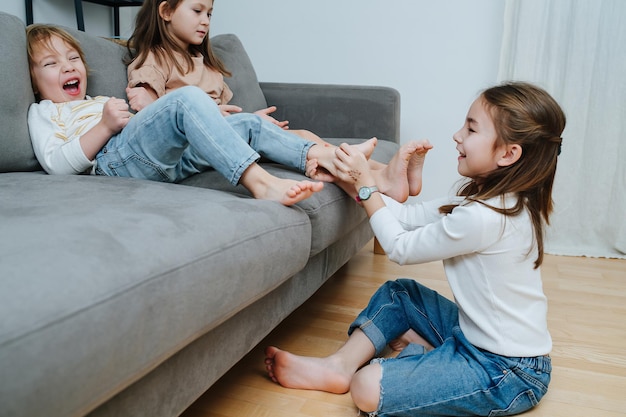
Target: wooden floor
[[587, 319]]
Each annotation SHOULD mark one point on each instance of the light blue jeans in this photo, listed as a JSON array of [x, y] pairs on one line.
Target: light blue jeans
[[454, 379], [184, 133]]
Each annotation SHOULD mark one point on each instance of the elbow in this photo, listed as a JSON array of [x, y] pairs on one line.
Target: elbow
[[396, 258]]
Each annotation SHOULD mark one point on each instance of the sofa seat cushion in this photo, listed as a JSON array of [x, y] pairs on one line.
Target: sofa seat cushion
[[333, 214], [104, 278]]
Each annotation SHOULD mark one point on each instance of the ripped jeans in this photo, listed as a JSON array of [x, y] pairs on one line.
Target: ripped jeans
[[454, 379]]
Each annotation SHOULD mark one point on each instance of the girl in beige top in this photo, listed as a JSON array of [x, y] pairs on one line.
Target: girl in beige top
[[171, 49]]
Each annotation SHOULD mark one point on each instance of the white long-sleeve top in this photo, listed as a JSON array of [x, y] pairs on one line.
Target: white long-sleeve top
[[489, 263], [55, 126]]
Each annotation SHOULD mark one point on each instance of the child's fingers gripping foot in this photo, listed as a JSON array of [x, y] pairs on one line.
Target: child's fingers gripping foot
[[311, 168], [316, 172]]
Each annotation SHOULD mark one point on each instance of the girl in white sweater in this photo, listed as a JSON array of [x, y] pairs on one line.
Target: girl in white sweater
[[486, 353]]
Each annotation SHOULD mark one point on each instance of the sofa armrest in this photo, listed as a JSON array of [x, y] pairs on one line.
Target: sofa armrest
[[337, 111]]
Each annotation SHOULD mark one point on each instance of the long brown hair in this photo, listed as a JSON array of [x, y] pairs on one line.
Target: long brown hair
[[526, 115], [152, 35]]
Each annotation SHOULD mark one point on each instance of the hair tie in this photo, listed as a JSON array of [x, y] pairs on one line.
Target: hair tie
[[559, 151]]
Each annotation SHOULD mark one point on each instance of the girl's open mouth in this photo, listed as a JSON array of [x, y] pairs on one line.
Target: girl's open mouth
[[72, 87]]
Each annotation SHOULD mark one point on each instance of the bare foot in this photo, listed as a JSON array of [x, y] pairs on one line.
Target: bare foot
[[265, 186], [410, 336], [367, 147], [393, 179], [289, 192], [303, 372], [416, 166]]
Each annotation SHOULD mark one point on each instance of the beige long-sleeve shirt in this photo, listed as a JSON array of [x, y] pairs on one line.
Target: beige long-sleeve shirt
[[165, 77]]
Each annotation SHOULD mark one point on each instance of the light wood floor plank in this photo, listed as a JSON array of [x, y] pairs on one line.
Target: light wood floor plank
[[587, 308]]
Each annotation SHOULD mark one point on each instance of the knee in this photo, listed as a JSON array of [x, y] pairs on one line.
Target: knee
[[191, 94], [365, 388], [245, 121]]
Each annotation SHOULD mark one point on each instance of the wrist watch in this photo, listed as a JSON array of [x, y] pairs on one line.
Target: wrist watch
[[366, 192]]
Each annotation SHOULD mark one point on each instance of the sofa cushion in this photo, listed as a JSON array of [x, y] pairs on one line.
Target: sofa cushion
[[104, 278], [17, 95], [332, 213], [244, 83]]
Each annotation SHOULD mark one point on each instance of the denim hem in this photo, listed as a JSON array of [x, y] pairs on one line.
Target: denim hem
[[304, 155], [372, 332], [237, 173]]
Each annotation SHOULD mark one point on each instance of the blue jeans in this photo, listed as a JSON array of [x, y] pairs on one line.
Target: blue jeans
[[454, 379], [184, 133]]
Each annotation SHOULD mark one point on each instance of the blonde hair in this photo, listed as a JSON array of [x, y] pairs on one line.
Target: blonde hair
[[40, 36]]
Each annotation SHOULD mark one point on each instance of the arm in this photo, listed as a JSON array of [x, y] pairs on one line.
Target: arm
[[60, 150], [459, 233], [55, 151], [115, 117], [412, 233], [145, 83], [141, 96]]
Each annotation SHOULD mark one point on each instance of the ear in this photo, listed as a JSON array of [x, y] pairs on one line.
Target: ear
[[511, 154], [165, 12]]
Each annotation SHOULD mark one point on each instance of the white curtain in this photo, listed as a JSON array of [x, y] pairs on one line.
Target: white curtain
[[576, 50]]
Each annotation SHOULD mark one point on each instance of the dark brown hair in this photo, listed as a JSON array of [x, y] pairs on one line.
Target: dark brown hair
[[526, 115], [151, 35]]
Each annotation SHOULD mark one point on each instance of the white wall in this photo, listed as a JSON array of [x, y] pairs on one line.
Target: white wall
[[437, 53]]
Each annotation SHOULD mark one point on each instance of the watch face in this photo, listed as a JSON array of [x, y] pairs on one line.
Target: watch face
[[364, 193]]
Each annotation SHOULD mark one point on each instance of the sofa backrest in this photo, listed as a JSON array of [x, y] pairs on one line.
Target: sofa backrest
[[16, 152], [107, 76], [244, 83]]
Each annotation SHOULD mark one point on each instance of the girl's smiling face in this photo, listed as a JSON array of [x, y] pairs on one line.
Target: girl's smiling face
[[476, 143], [59, 74], [189, 22]]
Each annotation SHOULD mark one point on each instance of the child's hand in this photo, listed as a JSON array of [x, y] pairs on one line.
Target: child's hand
[[316, 172], [228, 109], [265, 114], [115, 115], [352, 166], [140, 97]]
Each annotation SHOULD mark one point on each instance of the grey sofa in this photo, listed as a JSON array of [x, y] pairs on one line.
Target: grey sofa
[[122, 297]]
